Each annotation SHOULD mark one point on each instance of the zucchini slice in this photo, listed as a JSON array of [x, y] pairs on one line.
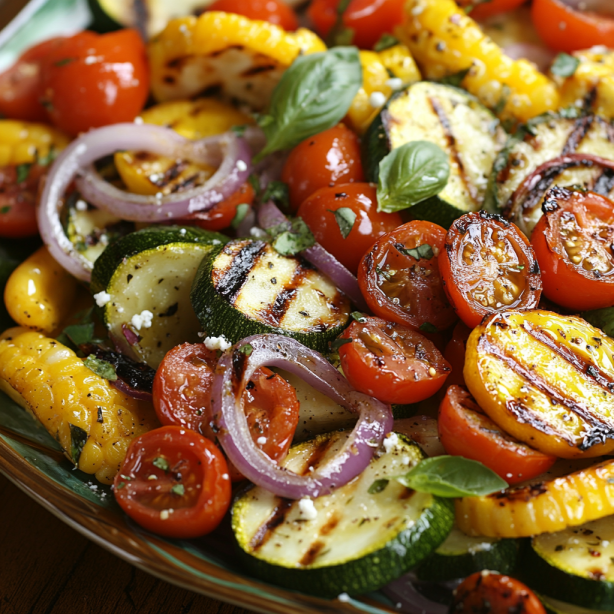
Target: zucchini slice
[[147, 276], [246, 288], [554, 606], [575, 565], [356, 540], [461, 555], [453, 119]]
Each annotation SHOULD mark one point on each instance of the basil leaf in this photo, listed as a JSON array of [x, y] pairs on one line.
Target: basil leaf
[[345, 219], [455, 79], [294, 240], [427, 327], [80, 333], [278, 192], [420, 251], [385, 42], [178, 489], [52, 154], [410, 174], [240, 213], [337, 343], [313, 95], [452, 476], [601, 318], [100, 367], [161, 463], [359, 317], [246, 349], [239, 130], [378, 486], [564, 65], [505, 94], [78, 438], [22, 170]]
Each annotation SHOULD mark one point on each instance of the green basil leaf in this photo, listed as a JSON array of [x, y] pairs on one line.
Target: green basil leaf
[[161, 463], [378, 486], [410, 174], [178, 489], [564, 65], [78, 438], [64, 61], [455, 79], [239, 130], [601, 318], [452, 476], [385, 42], [427, 327], [278, 192], [80, 333], [359, 317], [313, 95], [23, 171], [345, 219], [505, 95], [421, 251], [337, 343], [52, 154], [240, 213], [101, 367], [246, 349], [291, 242]]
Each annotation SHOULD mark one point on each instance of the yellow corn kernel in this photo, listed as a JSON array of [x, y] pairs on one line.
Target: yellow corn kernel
[[70, 400], [40, 294], [240, 58], [25, 142], [444, 41]]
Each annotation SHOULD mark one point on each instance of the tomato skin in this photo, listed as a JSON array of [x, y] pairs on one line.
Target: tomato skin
[[361, 198], [486, 591], [273, 11], [91, 80], [324, 160], [566, 283], [415, 284], [387, 367], [369, 19], [565, 29], [194, 462], [455, 353], [487, 259]]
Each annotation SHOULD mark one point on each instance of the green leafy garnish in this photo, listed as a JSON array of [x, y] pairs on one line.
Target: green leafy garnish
[[385, 42], [161, 463], [345, 219], [427, 327], [240, 213], [359, 317], [178, 489], [64, 61], [5, 209], [101, 367], [46, 160], [78, 438], [246, 349], [420, 251], [291, 237], [23, 171], [410, 174], [452, 476], [455, 79], [378, 486], [339, 34], [278, 192], [505, 95], [239, 130], [564, 65], [601, 318], [337, 343], [80, 333]]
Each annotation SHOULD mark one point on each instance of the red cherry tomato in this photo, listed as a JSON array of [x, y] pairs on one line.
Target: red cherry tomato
[[391, 362], [89, 80], [455, 353], [191, 491], [324, 160], [273, 11], [573, 244], [318, 211], [488, 266], [486, 591], [368, 19], [466, 431], [400, 281], [482, 9], [564, 29]]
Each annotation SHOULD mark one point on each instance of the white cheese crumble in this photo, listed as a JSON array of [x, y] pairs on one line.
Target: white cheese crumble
[[142, 320], [377, 99], [307, 508], [81, 205], [102, 298], [391, 442], [394, 83], [258, 233], [343, 597], [261, 441], [138, 120], [241, 165], [217, 343]]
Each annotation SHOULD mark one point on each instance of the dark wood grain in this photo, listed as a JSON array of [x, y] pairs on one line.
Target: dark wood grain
[[48, 568]]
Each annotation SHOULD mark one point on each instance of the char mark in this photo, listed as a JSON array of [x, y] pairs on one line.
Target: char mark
[[580, 130], [317, 454], [256, 70], [312, 554], [274, 313], [235, 276], [266, 530]]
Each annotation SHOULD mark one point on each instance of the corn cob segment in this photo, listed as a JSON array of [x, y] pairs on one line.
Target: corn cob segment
[[93, 422], [27, 142]]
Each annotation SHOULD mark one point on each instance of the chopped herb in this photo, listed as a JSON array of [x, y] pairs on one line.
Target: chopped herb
[[239, 130], [254, 181], [78, 437], [178, 489], [161, 463], [359, 317], [80, 333], [337, 343], [5, 209], [240, 213], [455, 79], [383, 273], [505, 95], [378, 486], [291, 241], [427, 327], [47, 159], [564, 65], [345, 219], [278, 192], [64, 61], [339, 34], [246, 349], [101, 367], [385, 42], [420, 251], [23, 171], [120, 485]]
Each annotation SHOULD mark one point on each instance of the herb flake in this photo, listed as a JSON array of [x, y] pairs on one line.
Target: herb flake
[[378, 486], [178, 489], [345, 218], [78, 438], [240, 213], [101, 368], [564, 65], [161, 463], [417, 253], [337, 343], [385, 42]]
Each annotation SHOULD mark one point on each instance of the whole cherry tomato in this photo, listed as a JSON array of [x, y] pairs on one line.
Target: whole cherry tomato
[[345, 220], [273, 11], [92, 80], [174, 482], [326, 159]]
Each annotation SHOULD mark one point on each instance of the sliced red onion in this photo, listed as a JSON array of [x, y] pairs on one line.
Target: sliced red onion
[[540, 55], [270, 215], [409, 600], [233, 372], [131, 337], [122, 386]]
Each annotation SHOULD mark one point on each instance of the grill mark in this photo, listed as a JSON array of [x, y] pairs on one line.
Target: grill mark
[[256, 70], [312, 554], [236, 274], [141, 17], [219, 52], [408, 493], [575, 138], [451, 139], [317, 454], [276, 312], [265, 531], [330, 525]]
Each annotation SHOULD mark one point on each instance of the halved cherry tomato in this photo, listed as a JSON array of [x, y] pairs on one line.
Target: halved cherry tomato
[[324, 160], [466, 431], [455, 353], [273, 11], [400, 281], [222, 215], [573, 244], [564, 29], [368, 19], [487, 266], [391, 362], [190, 493], [482, 9], [318, 211], [91, 80], [486, 591]]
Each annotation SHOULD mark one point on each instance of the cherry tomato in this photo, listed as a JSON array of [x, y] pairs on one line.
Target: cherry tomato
[[455, 353], [573, 244], [488, 266], [482, 9], [486, 591], [466, 431], [273, 11], [368, 19], [324, 160], [190, 492], [391, 362], [18, 201], [89, 80], [319, 209], [564, 29], [400, 281], [222, 215]]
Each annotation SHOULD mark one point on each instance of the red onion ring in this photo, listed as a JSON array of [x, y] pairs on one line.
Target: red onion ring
[[409, 600], [122, 386], [270, 215], [233, 372]]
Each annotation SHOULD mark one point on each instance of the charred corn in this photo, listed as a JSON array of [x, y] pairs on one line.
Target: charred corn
[[27, 142], [444, 41], [93, 422]]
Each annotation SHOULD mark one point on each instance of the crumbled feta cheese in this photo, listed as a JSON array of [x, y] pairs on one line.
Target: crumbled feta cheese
[[153, 476], [257, 233], [217, 343], [91, 59], [307, 508], [102, 298], [395, 83], [225, 476], [344, 597], [377, 99], [138, 120], [164, 515], [261, 441], [142, 320], [182, 231], [81, 205], [241, 165], [391, 441]]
